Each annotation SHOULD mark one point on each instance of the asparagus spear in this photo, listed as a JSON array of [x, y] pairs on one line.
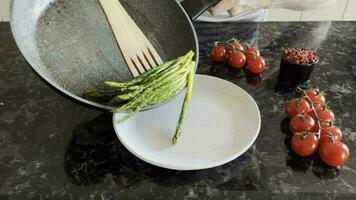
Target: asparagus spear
[[184, 106], [175, 87], [153, 87], [149, 91], [145, 77], [161, 80]]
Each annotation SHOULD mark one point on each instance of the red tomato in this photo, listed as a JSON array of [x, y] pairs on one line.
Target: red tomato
[[257, 65], [334, 154], [316, 106], [301, 123], [322, 124], [315, 96], [325, 115], [296, 106], [218, 53], [327, 133], [233, 47], [315, 128], [237, 60], [326, 124], [251, 53], [304, 145]]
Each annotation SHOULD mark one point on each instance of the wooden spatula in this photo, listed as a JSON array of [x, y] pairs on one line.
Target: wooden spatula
[[137, 50]]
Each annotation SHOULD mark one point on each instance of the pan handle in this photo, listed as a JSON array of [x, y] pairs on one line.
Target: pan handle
[[195, 8]]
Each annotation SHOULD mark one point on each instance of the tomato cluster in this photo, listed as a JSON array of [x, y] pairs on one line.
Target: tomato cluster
[[238, 56], [312, 125]]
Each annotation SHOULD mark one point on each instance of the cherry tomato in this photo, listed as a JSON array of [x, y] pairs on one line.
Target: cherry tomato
[[233, 47], [304, 144], [296, 106], [316, 106], [335, 133], [257, 65], [218, 53], [251, 53], [325, 115], [237, 60], [301, 123], [326, 124], [334, 154], [315, 128], [315, 96], [322, 124]]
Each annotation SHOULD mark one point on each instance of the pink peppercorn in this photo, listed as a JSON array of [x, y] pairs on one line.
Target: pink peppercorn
[[300, 56]]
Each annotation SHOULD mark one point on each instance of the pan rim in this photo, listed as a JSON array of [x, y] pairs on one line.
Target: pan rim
[[76, 97]]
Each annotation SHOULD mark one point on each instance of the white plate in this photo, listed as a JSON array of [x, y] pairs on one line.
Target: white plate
[[222, 122]]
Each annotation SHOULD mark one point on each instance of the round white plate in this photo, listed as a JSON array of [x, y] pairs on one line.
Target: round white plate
[[222, 122]]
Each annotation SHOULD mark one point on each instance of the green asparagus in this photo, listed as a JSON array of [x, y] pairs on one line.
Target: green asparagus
[[150, 88], [184, 107]]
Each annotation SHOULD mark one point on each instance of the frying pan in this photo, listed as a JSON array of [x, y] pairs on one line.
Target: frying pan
[[69, 43]]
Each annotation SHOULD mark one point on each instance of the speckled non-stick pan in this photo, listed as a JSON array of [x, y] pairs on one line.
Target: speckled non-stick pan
[[70, 43]]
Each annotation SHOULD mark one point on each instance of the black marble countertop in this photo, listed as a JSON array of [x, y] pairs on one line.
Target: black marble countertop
[[53, 148]]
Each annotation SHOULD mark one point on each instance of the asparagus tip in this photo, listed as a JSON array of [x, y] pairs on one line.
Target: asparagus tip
[[176, 135]]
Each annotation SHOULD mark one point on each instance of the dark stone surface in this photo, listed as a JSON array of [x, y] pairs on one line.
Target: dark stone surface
[[53, 148]]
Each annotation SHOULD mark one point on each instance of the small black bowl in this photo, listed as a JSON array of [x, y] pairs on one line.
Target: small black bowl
[[293, 75]]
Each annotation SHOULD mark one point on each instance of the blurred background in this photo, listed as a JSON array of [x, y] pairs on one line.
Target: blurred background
[[343, 11]]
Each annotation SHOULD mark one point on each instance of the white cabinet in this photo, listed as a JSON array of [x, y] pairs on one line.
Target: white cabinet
[[350, 14], [4, 10], [343, 10]]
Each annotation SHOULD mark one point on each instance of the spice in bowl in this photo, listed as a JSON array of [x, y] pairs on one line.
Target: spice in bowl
[[300, 56], [297, 65]]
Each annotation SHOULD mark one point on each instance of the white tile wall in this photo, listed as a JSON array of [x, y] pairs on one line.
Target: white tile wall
[[344, 10]]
